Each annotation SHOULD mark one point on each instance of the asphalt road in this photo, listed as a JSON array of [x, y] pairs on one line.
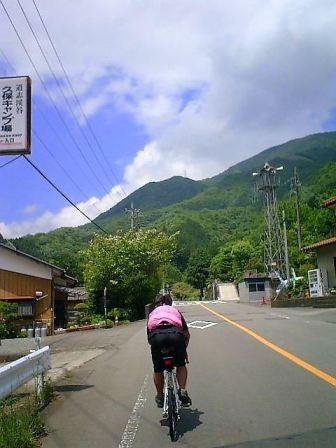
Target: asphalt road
[[258, 377]]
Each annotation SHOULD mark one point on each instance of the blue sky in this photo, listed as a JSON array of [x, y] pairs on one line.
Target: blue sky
[[169, 88]]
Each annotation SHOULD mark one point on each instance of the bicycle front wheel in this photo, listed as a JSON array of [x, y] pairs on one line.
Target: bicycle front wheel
[[172, 415]]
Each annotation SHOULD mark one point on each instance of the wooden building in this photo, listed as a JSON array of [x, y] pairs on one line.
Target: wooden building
[[39, 288]]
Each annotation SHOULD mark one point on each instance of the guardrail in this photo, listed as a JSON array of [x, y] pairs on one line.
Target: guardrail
[[19, 372]]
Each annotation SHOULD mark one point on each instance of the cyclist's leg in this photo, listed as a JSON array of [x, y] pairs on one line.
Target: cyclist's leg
[[182, 375]]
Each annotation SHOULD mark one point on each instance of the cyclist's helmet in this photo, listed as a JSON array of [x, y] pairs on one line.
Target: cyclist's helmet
[[163, 299]]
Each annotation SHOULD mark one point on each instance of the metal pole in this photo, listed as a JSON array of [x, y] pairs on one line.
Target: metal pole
[[298, 214], [286, 244], [105, 305]]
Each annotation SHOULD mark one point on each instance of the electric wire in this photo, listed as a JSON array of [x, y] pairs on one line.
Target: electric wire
[[63, 169], [63, 94], [76, 98], [57, 135], [63, 194], [51, 99], [10, 161]]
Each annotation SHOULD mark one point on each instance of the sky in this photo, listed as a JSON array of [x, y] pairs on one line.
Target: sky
[[184, 88]]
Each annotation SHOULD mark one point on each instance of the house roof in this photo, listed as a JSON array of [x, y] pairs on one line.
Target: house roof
[[322, 243], [18, 298], [37, 260], [330, 201]]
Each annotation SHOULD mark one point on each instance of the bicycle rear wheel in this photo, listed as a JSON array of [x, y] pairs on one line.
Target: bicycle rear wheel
[[172, 416]]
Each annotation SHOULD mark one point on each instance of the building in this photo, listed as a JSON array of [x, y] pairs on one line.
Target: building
[[40, 289], [326, 251], [255, 287]]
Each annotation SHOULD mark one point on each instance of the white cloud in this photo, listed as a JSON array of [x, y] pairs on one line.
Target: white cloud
[[30, 209], [263, 73], [66, 217]]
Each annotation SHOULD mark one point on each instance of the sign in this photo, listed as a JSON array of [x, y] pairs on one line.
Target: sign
[[15, 115]]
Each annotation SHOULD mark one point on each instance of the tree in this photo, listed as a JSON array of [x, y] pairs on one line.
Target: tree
[[184, 291], [8, 315], [234, 259], [198, 269], [129, 265]]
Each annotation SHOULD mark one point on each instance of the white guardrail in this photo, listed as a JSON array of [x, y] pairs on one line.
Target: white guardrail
[[19, 372]]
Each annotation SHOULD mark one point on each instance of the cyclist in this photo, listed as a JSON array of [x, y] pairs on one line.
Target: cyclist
[[166, 327]]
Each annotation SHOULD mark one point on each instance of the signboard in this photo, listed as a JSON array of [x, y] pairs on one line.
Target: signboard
[[15, 115]]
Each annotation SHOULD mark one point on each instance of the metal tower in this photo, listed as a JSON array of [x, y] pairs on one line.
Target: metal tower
[[274, 250]]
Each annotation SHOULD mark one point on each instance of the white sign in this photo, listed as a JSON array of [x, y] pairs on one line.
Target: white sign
[[15, 115]]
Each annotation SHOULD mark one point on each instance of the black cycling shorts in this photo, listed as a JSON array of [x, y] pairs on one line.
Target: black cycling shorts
[[165, 338]]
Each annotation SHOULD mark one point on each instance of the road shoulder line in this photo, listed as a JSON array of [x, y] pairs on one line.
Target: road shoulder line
[[295, 359]]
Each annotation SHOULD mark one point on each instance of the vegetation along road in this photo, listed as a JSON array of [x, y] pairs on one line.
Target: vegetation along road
[[258, 378]]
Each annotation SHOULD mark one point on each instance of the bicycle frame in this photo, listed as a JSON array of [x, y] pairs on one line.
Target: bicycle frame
[[170, 382]]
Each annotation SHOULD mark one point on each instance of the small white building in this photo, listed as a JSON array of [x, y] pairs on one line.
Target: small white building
[[326, 251], [254, 287]]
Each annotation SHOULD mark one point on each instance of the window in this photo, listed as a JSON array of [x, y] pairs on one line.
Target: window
[[25, 309], [254, 287]]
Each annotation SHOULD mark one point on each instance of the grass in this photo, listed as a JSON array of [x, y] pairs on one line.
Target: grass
[[21, 425]]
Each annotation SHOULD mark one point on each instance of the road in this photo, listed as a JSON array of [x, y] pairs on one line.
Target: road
[[259, 377]]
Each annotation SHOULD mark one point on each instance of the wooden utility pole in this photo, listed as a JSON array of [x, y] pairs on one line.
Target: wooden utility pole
[[134, 214]]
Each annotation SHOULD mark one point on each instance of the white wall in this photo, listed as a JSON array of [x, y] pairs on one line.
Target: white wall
[[13, 262], [325, 259]]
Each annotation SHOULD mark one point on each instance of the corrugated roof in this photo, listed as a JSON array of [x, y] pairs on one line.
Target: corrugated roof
[[18, 298], [330, 201], [322, 243]]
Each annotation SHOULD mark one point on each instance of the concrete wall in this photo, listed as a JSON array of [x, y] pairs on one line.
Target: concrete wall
[[13, 262], [246, 296], [325, 259]]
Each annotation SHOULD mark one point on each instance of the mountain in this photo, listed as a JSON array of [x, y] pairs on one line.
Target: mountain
[[209, 212]]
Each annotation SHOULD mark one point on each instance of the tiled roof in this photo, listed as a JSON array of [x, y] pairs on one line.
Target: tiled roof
[[330, 201], [322, 243]]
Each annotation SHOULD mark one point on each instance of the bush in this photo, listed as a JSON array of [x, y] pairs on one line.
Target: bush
[[184, 291]]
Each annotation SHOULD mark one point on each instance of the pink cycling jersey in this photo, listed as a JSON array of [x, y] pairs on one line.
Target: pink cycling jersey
[[164, 313]]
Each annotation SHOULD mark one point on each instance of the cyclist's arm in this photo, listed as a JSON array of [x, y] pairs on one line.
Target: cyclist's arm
[[186, 333]]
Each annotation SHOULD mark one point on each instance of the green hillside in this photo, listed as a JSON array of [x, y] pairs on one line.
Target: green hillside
[[212, 212]]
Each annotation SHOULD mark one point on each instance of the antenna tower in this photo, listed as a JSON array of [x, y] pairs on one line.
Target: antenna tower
[[274, 250]]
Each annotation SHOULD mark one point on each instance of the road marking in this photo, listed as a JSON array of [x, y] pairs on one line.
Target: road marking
[[201, 324], [295, 359], [132, 425], [279, 315]]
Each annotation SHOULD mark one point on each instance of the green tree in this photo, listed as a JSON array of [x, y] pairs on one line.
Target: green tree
[[129, 265], [198, 269], [234, 259], [8, 315]]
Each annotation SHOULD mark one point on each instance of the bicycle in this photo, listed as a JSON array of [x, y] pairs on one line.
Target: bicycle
[[171, 400]]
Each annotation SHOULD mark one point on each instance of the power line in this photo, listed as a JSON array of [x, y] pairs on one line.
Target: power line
[[63, 169], [62, 93], [51, 99], [63, 194], [76, 98], [10, 161], [57, 135]]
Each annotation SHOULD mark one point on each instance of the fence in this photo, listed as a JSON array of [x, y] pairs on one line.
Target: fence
[[19, 372]]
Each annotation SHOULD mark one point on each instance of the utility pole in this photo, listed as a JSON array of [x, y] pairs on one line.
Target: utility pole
[[105, 305], [267, 185], [134, 214], [286, 243], [295, 185]]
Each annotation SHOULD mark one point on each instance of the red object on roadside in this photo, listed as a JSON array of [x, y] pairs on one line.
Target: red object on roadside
[[263, 301]]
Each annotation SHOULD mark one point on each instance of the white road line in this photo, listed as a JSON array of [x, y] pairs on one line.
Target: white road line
[[134, 420]]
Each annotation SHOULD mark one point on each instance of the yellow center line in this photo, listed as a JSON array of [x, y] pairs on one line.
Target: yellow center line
[[296, 360]]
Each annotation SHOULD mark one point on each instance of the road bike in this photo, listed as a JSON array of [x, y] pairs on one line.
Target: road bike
[[171, 400]]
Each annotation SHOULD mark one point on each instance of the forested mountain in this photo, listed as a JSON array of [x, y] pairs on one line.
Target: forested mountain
[[214, 211]]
